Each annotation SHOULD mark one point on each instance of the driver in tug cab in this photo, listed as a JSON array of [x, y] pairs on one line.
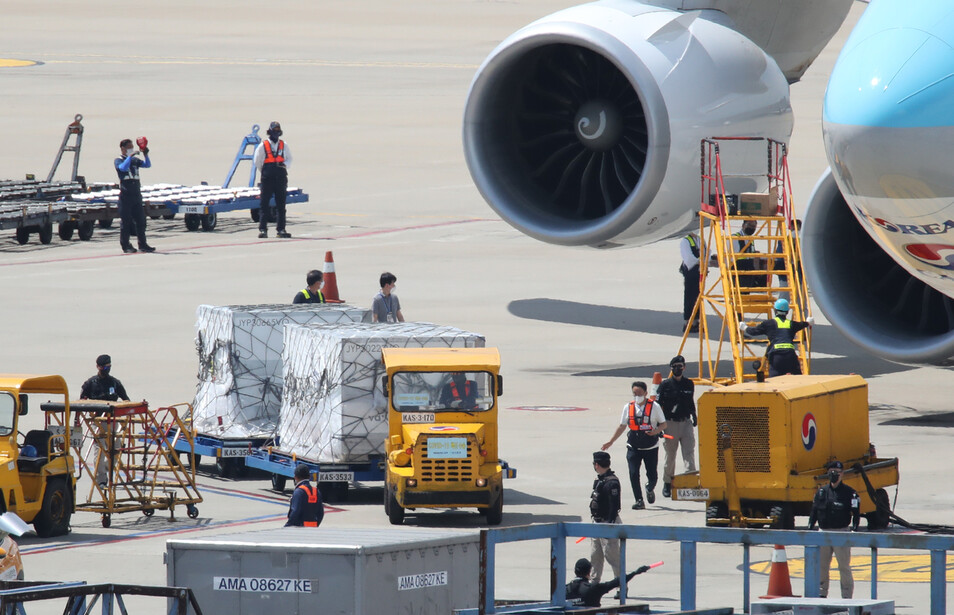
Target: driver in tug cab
[[459, 393]]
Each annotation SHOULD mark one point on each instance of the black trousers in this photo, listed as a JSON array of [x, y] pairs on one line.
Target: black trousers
[[132, 218], [273, 184], [783, 362], [690, 290], [648, 457]]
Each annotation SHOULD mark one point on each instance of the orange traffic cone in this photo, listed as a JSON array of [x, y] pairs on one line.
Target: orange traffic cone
[[780, 585], [330, 281], [654, 387]]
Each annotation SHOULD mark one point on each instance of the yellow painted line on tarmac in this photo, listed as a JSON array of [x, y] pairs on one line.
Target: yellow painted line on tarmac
[[914, 568], [191, 60], [14, 63]]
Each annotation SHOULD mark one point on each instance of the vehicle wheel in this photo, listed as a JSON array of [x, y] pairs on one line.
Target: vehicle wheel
[[46, 233], [208, 222], [716, 510], [86, 230], [106, 223], [879, 518], [65, 230], [254, 213], [784, 519], [192, 510], [23, 235], [279, 482], [107, 520], [224, 467], [54, 516], [168, 216], [395, 511], [154, 216], [149, 512], [495, 512], [192, 222]]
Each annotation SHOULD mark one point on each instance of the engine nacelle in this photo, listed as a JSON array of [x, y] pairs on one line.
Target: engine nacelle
[[865, 292], [584, 127]]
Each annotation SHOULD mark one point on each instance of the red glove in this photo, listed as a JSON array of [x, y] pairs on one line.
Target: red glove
[[142, 142]]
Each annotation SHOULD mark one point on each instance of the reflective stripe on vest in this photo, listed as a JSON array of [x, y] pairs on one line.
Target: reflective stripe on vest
[[321, 298], [312, 494], [786, 326], [644, 420], [274, 158], [454, 391], [693, 246]]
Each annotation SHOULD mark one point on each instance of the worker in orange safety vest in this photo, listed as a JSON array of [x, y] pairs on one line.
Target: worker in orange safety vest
[[306, 509]]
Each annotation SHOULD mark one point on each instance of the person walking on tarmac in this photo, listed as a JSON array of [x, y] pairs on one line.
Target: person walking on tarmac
[[835, 507], [271, 158], [676, 395], [646, 423], [312, 292], [305, 509], [132, 217], [689, 250], [781, 333], [605, 502], [582, 591]]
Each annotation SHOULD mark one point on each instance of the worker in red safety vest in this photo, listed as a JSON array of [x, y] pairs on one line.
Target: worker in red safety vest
[[306, 509], [459, 393], [272, 158]]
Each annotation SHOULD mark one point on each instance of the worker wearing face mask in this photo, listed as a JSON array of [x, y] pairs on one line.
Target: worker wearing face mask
[[676, 395], [835, 508], [131, 214], [646, 422]]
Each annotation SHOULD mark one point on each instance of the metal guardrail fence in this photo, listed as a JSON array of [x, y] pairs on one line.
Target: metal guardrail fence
[[557, 533], [16, 595]]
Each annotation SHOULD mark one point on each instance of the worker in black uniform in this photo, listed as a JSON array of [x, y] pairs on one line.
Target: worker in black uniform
[[581, 591], [676, 395], [306, 509], [311, 293], [835, 507], [605, 502], [689, 251], [781, 333], [131, 214], [271, 158], [747, 246], [103, 387], [459, 393]]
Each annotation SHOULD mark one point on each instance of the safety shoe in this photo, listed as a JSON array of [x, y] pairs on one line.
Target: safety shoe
[[129, 250], [667, 491], [284, 235], [146, 249], [639, 505], [650, 494], [263, 234]]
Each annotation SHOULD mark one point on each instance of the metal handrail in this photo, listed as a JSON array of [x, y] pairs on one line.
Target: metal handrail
[[689, 537]]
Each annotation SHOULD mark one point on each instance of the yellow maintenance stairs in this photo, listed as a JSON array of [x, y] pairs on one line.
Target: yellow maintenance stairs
[[741, 276]]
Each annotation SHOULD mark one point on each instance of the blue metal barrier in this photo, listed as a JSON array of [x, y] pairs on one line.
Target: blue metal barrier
[[252, 139], [689, 537]]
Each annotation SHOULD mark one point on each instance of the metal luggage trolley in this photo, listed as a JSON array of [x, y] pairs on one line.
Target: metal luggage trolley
[[127, 452]]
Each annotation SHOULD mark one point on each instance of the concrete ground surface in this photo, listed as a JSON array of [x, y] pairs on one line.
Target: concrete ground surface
[[370, 95]]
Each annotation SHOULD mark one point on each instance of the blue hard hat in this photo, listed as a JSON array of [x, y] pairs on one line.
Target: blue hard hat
[[781, 305], [29, 451]]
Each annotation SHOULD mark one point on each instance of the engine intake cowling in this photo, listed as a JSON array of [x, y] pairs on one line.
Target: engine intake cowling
[[584, 127]]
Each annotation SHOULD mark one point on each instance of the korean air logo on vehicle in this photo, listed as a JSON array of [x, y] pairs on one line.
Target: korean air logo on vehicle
[[443, 428], [809, 431], [938, 255]]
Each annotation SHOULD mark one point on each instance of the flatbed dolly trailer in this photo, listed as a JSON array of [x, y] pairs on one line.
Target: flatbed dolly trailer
[[333, 479], [229, 453]]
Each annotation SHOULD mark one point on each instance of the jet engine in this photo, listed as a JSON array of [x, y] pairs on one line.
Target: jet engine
[[584, 127], [865, 292]]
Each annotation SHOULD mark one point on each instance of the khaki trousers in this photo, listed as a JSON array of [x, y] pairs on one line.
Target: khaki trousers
[[604, 549], [683, 436], [843, 555]]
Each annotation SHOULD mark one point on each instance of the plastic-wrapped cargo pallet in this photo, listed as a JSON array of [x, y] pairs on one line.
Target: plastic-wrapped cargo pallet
[[240, 363], [333, 407]]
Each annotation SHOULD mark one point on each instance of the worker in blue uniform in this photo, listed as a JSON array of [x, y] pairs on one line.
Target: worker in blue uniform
[[781, 333], [131, 214], [306, 509]]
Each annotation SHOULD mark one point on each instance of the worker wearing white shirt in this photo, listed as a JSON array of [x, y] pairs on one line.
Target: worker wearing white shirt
[[689, 250]]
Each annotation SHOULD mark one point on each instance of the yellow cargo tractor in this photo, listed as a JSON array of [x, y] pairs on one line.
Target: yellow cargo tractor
[[36, 477], [763, 450], [442, 431]]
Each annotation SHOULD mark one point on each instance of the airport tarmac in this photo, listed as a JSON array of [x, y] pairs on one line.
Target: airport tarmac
[[370, 96]]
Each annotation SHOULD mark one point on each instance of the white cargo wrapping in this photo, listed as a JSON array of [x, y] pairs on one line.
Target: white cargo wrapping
[[333, 406], [240, 363]]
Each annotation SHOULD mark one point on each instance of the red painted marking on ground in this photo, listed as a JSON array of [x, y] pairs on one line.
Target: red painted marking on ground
[[549, 408]]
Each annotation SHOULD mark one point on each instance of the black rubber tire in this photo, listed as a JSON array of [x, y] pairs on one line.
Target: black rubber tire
[[65, 230], [148, 512], [279, 482], [107, 520], [223, 468], [881, 516], [495, 512], [716, 510], [395, 511], [23, 235], [46, 233], [86, 230], [154, 216], [192, 222], [784, 519], [106, 223], [208, 222], [254, 214], [168, 216], [54, 516], [192, 510]]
